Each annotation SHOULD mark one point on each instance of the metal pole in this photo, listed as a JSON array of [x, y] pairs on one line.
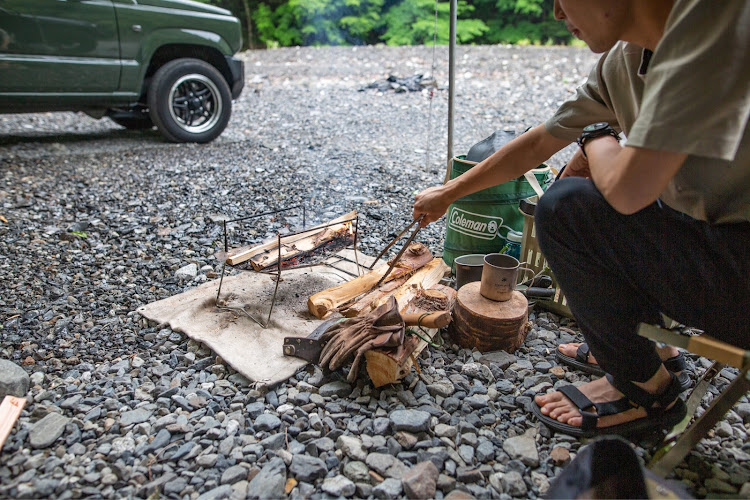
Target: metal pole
[[451, 83]]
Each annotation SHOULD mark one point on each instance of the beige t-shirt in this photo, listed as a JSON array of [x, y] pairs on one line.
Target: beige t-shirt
[[694, 99]]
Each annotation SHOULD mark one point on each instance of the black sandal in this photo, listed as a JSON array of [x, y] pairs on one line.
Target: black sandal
[[657, 417], [580, 362]]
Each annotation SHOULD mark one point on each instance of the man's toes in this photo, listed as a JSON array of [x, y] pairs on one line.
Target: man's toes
[[545, 399], [562, 413], [570, 349], [556, 407]]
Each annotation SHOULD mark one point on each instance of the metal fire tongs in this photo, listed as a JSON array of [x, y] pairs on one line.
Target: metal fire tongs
[[401, 252]]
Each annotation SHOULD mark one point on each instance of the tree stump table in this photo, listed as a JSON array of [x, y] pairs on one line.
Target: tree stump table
[[488, 325]]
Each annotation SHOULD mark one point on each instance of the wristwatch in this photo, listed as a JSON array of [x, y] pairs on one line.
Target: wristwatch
[[593, 131]]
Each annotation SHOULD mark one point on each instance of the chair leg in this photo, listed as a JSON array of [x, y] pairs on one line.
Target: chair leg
[[693, 434]]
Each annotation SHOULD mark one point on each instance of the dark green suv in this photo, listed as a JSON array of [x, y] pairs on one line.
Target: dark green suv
[[168, 63]]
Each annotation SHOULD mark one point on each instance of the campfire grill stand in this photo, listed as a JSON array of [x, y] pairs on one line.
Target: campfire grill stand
[[277, 271]]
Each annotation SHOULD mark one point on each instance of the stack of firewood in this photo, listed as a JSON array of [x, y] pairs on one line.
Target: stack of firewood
[[414, 283]]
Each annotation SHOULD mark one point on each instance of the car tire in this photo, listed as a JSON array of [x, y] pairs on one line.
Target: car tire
[[189, 101]]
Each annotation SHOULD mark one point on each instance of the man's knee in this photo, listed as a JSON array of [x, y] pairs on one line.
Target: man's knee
[[567, 201]]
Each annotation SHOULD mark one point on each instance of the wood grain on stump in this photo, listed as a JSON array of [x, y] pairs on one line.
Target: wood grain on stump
[[488, 325]]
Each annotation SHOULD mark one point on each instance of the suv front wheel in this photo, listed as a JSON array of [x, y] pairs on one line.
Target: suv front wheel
[[189, 101]]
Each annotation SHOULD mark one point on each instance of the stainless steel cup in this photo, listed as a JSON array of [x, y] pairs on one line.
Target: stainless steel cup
[[500, 276], [468, 268]]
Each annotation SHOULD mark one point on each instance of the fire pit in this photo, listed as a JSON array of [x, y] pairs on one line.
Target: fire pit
[[306, 247]]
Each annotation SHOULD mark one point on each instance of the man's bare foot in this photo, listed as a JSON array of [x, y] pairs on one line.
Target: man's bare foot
[[570, 350], [557, 406]]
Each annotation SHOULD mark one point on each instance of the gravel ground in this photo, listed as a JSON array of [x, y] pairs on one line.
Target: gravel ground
[[97, 221]]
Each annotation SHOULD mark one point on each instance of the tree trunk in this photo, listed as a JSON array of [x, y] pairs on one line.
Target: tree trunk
[[248, 17]]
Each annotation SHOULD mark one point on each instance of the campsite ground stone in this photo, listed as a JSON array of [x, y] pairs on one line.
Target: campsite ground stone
[[234, 474], [420, 481], [352, 447], [267, 422], [14, 381], [522, 448], [308, 469], [338, 486], [388, 489], [47, 430], [340, 389], [410, 420], [357, 471], [269, 482], [134, 417], [151, 208]]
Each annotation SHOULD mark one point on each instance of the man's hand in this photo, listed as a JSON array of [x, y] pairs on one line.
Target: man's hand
[[433, 203], [578, 166], [512, 160]]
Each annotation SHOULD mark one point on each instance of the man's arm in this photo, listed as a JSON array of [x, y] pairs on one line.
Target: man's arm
[[630, 178], [520, 155]]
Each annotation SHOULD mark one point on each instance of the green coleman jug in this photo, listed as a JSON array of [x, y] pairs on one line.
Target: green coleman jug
[[479, 223]]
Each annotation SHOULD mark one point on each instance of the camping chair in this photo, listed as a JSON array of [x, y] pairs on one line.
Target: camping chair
[[684, 436]]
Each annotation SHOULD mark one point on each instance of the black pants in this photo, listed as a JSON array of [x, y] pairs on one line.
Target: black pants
[[619, 270]]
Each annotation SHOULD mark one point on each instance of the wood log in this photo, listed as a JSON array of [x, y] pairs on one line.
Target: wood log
[[10, 410], [488, 325], [389, 365], [267, 254], [323, 303], [423, 279], [363, 305]]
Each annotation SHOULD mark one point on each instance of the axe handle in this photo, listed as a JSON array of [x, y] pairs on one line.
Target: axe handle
[[437, 319]]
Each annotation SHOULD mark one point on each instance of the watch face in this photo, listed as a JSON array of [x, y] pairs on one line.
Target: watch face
[[594, 127]]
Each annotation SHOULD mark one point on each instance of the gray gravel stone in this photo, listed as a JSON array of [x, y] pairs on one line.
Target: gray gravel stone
[[338, 486], [500, 358], [175, 486], [357, 471], [269, 482], [522, 448], [441, 388], [137, 416], [410, 420], [307, 469], [218, 493], [485, 452], [267, 422], [351, 447], [189, 271], [208, 460], [445, 430], [47, 430], [386, 465], [234, 474], [14, 381], [388, 489], [340, 389]]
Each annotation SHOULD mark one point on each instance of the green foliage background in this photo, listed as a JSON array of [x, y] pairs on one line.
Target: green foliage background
[[277, 23]]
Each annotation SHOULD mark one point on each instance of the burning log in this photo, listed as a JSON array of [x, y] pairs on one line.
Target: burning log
[[295, 245], [389, 365], [323, 303]]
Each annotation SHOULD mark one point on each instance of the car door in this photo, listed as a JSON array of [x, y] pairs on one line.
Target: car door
[[58, 47]]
